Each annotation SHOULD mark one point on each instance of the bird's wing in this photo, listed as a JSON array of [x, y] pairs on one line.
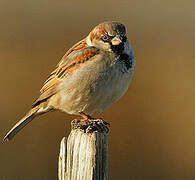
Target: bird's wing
[[78, 46], [78, 54]]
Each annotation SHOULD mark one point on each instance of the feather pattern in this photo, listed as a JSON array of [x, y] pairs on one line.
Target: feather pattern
[[70, 61], [91, 76]]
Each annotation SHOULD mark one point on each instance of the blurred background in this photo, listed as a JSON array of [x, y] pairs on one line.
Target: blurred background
[[152, 132]]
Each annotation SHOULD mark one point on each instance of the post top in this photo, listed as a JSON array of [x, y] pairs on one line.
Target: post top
[[90, 126]]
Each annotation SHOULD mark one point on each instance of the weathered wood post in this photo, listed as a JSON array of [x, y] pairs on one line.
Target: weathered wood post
[[84, 155]]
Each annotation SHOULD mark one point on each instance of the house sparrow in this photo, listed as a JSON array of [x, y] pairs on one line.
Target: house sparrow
[[90, 77]]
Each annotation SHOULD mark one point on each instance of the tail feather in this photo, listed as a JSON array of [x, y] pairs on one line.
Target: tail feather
[[22, 123]]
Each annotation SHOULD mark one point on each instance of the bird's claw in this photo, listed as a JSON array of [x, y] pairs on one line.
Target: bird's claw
[[91, 125]]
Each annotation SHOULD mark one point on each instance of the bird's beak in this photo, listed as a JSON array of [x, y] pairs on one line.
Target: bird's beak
[[116, 41]]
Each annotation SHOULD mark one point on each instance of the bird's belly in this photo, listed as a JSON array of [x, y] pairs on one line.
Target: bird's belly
[[92, 91]]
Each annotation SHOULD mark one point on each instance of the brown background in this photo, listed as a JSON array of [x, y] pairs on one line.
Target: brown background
[[153, 125]]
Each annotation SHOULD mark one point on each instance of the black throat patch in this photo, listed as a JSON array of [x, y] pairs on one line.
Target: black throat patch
[[124, 58], [118, 49], [127, 60]]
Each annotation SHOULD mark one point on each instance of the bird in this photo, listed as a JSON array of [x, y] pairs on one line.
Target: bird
[[91, 76]]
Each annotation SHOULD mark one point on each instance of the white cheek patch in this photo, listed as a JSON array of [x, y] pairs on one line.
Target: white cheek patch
[[98, 44], [88, 41], [104, 45]]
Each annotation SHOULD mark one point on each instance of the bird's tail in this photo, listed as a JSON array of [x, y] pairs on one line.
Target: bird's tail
[[22, 123]]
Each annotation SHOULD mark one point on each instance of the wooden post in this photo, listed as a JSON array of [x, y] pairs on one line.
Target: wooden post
[[84, 155]]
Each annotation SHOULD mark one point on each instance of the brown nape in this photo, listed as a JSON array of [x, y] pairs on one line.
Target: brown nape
[[97, 32]]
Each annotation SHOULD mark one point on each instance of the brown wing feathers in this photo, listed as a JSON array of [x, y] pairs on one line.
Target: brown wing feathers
[[49, 87], [86, 55]]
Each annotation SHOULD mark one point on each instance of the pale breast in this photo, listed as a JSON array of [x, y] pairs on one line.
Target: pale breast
[[94, 85]]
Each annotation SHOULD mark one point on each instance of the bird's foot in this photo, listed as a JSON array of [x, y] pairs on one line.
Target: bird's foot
[[87, 117], [89, 124]]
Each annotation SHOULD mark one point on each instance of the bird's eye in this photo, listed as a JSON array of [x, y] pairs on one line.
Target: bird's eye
[[106, 38]]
